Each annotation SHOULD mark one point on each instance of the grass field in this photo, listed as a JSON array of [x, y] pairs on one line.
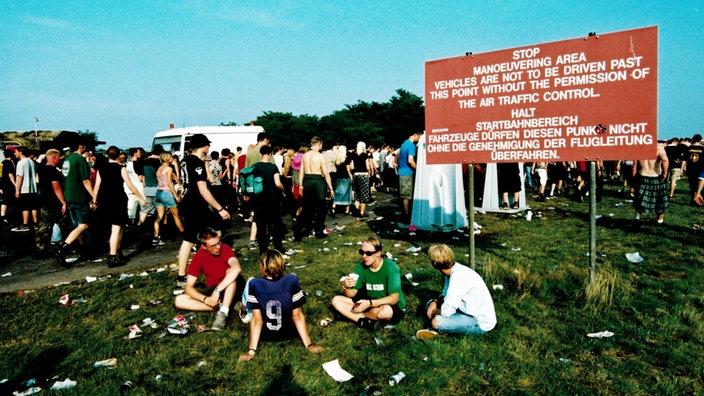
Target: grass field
[[539, 346]]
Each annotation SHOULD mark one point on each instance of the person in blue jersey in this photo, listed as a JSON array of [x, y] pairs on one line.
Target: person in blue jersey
[[275, 302]]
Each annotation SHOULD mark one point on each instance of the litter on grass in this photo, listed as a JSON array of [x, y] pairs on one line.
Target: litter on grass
[[335, 371], [30, 391], [601, 334], [498, 287], [409, 276], [414, 249], [6, 274], [634, 257], [65, 384], [110, 363]]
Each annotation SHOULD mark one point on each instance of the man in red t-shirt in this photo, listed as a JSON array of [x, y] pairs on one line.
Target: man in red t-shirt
[[221, 269]]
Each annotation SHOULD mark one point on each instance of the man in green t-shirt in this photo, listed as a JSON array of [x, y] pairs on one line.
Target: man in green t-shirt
[[79, 195], [372, 293]]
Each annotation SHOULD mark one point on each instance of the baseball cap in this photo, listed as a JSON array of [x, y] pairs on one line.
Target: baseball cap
[[199, 140]]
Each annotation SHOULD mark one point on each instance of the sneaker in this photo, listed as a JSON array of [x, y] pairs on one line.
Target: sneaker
[[113, 262], [219, 323], [367, 324], [181, 282], [503, 206], [60, 257], [515, 205], [245, 315], [425, 334], [22, 228], [158, 242]]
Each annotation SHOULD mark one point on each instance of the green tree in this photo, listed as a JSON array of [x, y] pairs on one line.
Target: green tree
[[90, 137]]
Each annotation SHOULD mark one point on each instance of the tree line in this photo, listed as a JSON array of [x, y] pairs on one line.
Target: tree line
[[374, 123]]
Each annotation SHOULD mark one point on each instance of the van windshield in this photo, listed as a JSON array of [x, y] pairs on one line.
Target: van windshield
[[170, 143]]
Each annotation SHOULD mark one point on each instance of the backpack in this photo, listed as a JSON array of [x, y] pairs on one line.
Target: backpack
[[251, 181]]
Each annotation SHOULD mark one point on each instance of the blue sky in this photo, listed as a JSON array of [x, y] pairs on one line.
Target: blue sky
[[127, 69]]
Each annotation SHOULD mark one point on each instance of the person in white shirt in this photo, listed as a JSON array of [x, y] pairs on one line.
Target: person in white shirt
[[465, 305]]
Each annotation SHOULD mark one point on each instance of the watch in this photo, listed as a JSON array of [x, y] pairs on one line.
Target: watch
[[252, 352]]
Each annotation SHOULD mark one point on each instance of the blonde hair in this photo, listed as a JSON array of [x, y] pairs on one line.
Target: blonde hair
[[441, 256], [361, 147], [165, 157], [272, 261], [341, 155]]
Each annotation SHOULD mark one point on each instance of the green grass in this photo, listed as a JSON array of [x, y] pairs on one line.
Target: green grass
[[538, 347]]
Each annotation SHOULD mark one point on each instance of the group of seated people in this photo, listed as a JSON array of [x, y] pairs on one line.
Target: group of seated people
[[371, 294]]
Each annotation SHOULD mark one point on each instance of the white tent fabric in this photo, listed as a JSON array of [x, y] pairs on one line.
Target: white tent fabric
[[438, 196], [492, 197]]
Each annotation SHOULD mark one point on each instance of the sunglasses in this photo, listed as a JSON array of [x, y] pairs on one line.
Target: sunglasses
[[366, 253]]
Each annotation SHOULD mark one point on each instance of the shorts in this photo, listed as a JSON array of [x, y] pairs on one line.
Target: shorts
[[29, 201], [542, 175], [397, 315], [149, 193], [80, 213], [674, 175], [405, 186], [164, 199], [194, 221]]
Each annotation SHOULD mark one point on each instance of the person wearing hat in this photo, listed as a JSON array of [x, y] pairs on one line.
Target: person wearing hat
[[195, 202]]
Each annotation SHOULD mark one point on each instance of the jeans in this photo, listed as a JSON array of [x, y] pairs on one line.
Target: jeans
[[457, 323]]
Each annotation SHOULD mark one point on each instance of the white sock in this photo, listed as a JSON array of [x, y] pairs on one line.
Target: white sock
[[225, 310]]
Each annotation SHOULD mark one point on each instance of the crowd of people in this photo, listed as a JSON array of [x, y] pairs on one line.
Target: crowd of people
[[75, 200]]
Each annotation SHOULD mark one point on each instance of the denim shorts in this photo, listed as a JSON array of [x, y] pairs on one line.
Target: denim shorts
[[164, 199], [79, 213]]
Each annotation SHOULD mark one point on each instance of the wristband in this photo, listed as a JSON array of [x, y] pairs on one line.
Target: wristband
[[370, 303], [217, 290], [204, 299]]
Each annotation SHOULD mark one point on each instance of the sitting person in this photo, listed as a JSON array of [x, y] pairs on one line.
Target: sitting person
[[373, 292], [465, 305], [221, 269], [275, 302]]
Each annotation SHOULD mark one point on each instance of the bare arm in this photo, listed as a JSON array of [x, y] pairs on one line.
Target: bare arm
[[60, 195], [208, 197], [299, 320], [130, 185], [255, 331]]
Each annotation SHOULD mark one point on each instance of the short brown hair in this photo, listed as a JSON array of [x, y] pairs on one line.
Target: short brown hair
[[208, 233], [272, 261], [441, 256]]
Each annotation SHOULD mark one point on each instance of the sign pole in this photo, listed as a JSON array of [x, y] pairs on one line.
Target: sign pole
[[470, 201], [592, 221]]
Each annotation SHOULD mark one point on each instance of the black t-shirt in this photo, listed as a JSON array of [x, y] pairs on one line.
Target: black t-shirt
[[695, 160], [267, 170], [675, 155], [360, 162], [8, 168], [47, 176], [194, 171], [341, 170]]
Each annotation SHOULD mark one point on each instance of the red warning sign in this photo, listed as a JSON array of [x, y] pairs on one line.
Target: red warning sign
[[591, 98]]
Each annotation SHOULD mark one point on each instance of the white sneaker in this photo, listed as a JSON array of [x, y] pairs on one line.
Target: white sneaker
[[219, 323]]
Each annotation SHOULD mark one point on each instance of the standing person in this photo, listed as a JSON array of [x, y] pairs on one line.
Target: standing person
[[465, 305], [312, 178], [79, 195], [216, 171], [7, 184], [652, 191], [52, 202], [26, 189], [343, 180], [166, 198], [296, 188], [151, 164], [112, 200], [218, 263], [360, 166], [541, 168], [135, 171], [267, 205], [374, 292], [509, 175], [406, 175], [195, 202], [275, 301], [675, 156], [694, 164]]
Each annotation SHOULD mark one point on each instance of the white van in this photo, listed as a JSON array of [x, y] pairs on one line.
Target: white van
[[176, 139]]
